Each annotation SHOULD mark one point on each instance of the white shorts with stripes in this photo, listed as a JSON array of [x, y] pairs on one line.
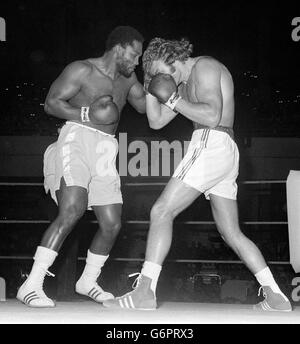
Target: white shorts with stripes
[[84, 157], [211, 164]]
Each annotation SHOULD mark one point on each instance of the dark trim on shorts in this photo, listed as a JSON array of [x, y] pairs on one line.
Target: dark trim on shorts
[[222, 128], [196, 154]]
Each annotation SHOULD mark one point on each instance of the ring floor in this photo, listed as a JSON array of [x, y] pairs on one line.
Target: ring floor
[[89, 312]]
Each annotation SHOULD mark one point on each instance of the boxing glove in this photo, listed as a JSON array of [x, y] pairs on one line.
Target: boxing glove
[[163, 87], [102, 111]]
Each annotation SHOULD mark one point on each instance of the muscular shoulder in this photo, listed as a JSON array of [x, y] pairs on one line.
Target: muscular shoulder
[[78, 69], [208, 68], [206, 65]]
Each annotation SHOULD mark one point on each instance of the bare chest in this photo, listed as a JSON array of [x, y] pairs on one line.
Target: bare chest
[[97, 85]]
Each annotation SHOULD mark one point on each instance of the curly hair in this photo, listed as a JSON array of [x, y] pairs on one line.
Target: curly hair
[[168, 51], [123, 35]]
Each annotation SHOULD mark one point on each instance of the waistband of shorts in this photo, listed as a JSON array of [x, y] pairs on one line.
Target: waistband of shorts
[[89, 128], [222, 128]]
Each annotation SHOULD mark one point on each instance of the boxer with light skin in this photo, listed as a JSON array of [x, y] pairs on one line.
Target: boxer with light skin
[[89, 94], [201, 89]]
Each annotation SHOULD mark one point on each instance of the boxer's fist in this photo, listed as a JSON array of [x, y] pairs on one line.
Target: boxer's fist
[[104, 111], [163, 87]]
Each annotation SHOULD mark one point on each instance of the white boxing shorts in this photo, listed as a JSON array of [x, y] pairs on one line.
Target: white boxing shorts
[[211, 163], [84, 157]]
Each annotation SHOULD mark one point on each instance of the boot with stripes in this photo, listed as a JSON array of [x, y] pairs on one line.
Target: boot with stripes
[[31, 292], [273, 302], [87, 283], [91, 289], [141, 298]]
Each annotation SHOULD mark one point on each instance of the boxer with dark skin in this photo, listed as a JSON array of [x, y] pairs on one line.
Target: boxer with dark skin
[[101, 86], [90, 83]]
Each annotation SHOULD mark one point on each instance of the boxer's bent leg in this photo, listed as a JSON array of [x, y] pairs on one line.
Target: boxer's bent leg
[[175, 198], [109, 219], [225, 213], [105, 199], [72, 204]]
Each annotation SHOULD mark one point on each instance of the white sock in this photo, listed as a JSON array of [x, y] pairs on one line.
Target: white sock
[[265, 278], [151, 270], [43, 259], [92, 269]]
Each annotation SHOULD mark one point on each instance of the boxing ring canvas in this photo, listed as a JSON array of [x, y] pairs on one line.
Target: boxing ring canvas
[[88, 312]]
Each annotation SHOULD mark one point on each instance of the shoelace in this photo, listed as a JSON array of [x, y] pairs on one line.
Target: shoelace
[[135, 284], [264, 293], [137, 280], [48, 273]]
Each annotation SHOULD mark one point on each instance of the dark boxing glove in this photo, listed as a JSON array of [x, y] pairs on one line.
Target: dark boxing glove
[[163, 87], [102, 111]]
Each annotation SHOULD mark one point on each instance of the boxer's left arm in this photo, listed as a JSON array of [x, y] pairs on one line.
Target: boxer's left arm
[[207, 85], [136, 96], [159, 115]]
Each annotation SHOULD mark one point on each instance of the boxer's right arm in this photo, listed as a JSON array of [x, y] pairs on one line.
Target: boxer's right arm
[[158, 114], [66, 86]]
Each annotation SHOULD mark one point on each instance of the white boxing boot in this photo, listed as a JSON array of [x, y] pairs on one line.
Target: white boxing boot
[[31, 292], [143, 295], [87, 283]]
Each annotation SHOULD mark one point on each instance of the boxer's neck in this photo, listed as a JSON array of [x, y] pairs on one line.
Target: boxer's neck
[[107, 65]]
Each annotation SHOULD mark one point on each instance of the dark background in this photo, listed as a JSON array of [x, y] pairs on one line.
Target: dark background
[[253, 39]]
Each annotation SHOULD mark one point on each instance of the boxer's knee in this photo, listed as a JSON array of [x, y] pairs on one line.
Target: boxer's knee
[[160, 210], [69, 215], [110, 228], [234, 240]]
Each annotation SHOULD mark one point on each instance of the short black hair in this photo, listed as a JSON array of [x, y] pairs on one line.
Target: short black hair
[[123, 35]]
